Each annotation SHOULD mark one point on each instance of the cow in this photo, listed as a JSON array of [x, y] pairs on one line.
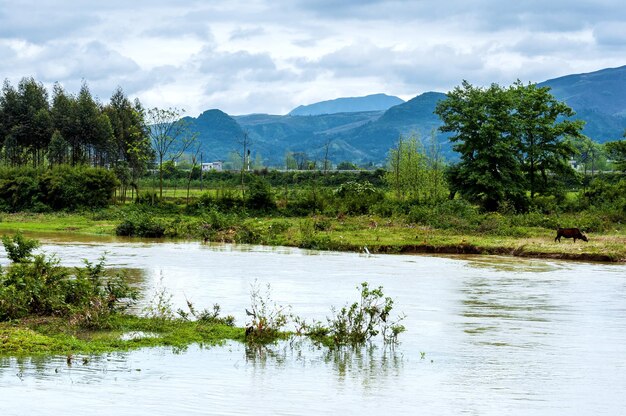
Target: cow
[[574, 233]]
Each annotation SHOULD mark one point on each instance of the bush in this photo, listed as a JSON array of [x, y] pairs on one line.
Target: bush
[[140, 224], [18, 248], [259, 196], [40, 286], [61, 187], [359, 322], [357, 197]]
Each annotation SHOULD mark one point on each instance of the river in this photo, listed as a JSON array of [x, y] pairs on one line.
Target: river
[[485, 336]]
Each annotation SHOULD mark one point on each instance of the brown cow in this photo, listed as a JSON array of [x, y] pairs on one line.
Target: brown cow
[[574, 233]]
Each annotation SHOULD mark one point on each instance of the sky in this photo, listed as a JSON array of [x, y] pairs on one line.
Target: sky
[[269, 56]]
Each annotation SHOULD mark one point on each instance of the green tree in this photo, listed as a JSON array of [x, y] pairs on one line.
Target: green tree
[[25, 118], [511, 141], [413, 174], [481, 120], [131, 136], [58, 150], [541, 124], [94, 127], [617, 153]]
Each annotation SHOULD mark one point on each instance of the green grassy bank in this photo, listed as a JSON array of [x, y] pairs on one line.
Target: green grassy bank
[[494, 234]]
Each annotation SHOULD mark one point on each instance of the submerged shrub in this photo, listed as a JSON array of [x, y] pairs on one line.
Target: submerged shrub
[[268, 318], [40, 286], [361, 321]]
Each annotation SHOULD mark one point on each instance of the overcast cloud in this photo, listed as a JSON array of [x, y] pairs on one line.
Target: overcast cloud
[[270, 56]]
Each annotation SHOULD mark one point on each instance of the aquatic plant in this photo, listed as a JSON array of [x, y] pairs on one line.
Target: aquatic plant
[[360, 321], [267, 317], [40, 286]]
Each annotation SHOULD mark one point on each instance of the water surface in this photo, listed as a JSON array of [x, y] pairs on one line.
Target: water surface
[[499, 335]]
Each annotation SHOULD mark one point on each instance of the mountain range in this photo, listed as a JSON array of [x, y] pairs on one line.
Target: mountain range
[[363, 129]]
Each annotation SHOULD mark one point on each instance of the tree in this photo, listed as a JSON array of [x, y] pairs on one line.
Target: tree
[[617, 152], [170, 137], [58, 150], [541, 123], [245, 143], [412, 174], [588, 154], [131, 136], [511, 141], [25, 120], [290, 161], [482, 125]]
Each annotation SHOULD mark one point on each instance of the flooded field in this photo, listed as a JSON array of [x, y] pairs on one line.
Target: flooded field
[[485, 336]]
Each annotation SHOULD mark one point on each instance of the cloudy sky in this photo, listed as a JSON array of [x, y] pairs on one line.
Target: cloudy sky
[[272, 55]]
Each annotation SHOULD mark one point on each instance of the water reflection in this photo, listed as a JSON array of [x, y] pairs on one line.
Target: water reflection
[[497, 308], [366, 364]]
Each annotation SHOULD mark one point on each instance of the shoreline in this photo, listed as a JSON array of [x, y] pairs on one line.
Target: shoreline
[[352, 235]]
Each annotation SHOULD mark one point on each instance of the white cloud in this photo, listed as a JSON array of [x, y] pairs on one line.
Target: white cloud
[[261, 56]]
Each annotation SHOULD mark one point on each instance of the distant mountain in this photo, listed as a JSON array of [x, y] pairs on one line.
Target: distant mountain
[[599, 98], [218, 133], [375, 102]]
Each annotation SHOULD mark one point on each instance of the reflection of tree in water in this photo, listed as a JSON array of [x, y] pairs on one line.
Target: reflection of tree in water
[[369, 364]]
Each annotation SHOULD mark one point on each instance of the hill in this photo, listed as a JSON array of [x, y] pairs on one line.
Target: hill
[[374, 102], [599, 98]]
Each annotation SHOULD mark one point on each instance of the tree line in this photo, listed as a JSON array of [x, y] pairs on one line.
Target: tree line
[[64, 128]]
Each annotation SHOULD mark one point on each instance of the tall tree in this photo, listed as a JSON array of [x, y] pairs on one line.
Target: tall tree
[[96, 133], [542, 125], [64, 120], [25, 119], [170, 137], [132, 143], [482, 124]]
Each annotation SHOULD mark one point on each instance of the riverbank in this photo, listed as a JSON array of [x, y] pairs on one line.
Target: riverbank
[[357, 234]]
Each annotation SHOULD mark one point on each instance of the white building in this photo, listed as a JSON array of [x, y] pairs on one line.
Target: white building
[[218, 166]]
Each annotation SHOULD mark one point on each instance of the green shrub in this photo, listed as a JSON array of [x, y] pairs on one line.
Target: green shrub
[[60, 187], [141, 224], [359, 322], [18, 248], [357, 197], [259, 195], [40, 286]]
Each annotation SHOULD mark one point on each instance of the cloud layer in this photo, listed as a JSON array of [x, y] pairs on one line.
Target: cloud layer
[[261, 56]]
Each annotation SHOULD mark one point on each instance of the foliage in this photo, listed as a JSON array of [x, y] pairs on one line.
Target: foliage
[[60, 188], [18, 248], [357, 197], [510, 140], [267, 318], [413, 174], [40, 286], [359, 322], [259, 196], [140, 224], [206, 315], [617, 152]]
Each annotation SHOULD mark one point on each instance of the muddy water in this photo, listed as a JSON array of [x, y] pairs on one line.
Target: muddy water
[[498, 336]]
